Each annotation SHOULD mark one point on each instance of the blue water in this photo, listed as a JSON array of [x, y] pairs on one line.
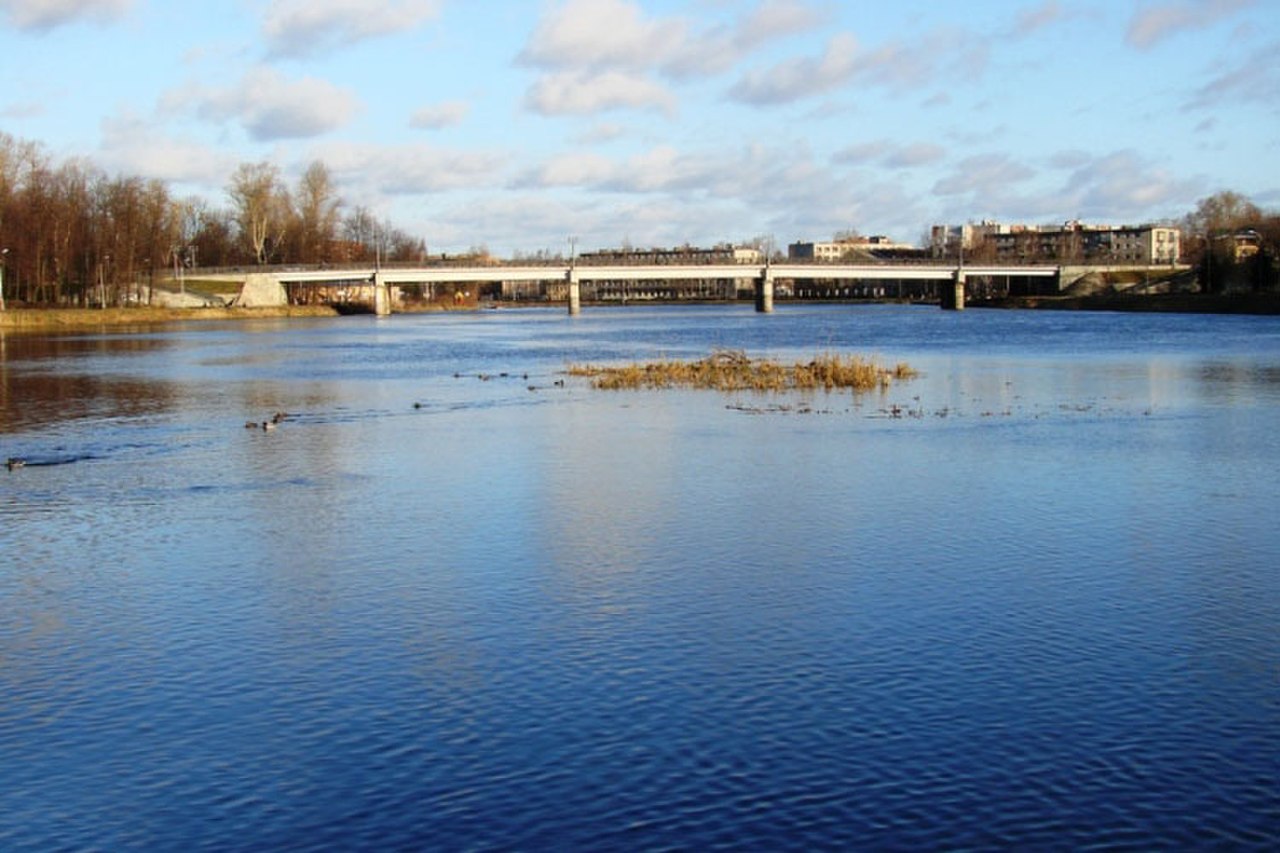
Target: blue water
[[461, 600]]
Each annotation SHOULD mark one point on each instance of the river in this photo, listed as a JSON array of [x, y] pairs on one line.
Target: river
[[457, 599]]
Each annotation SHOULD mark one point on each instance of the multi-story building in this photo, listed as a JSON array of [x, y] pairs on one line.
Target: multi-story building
[[1071, 242], [846, 249], [955, 240]]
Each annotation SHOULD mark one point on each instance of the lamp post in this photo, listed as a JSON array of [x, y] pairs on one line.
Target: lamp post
[[3, 253]]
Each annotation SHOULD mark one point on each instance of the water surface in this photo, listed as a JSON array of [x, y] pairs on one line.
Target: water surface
[[1028, 599]]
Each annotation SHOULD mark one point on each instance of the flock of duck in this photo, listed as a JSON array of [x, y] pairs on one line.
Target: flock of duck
[[269, 424], [13, 463]]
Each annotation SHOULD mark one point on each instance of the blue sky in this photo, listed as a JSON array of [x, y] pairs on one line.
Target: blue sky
[[516, 123]]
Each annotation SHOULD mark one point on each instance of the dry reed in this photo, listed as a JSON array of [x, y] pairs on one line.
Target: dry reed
[[732, 370]]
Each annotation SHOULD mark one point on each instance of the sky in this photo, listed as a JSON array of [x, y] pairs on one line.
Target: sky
[[520, 125]]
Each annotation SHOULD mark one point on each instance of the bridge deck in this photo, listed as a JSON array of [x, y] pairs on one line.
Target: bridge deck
[[673, 272]]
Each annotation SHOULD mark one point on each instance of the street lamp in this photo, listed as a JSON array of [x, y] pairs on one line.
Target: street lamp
[[3, 252]]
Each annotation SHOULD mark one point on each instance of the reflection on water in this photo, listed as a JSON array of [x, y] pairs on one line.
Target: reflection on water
[[1026, 600]]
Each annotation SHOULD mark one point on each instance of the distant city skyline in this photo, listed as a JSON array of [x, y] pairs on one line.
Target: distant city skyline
[[518, 124]]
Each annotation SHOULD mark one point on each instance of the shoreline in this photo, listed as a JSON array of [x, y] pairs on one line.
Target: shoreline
[[53, 319], [1169, 303], [47, 319]]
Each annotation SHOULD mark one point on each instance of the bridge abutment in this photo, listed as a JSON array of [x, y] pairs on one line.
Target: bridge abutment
[[261, 290]]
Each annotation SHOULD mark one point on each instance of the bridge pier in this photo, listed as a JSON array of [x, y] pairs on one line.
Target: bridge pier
[[381, 296], [951, 294], [575, 293], [764, 292]]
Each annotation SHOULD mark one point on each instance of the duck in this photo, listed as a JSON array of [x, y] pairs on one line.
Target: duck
[[13, 463]]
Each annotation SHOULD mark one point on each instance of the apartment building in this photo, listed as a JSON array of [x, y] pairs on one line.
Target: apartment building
[[1071, 242], [846, 249]]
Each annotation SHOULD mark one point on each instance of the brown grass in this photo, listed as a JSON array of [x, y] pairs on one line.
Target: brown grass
[[732, 370], [37, 319]]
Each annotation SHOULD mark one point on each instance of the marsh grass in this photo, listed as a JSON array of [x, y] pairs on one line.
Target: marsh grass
[[733, 370]]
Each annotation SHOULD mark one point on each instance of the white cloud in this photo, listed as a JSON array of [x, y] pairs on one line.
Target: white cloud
[[271, 107], [602, 34], [602, 132], [411, 169], [1033, 21], [43, 15], [915, 154], [1118, 187], [133, 145], [1256, 79], [774, 19], [438, 116], [22, 109], [890, 155], [1159, 21], [570, 169], [984, 176], [863, 153], [941, 54], [718, 50], [306, 27], [1127, 186], [584, 93], [606, 54], [799, 78]]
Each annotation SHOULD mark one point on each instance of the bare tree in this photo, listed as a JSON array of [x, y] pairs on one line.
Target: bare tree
[[360, 230], [1221, 213], [317, 211], [262, 208]]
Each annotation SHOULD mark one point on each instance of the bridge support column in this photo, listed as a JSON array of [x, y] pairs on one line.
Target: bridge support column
[[764, 292], [575, 294], [951, 294], [381, 296]]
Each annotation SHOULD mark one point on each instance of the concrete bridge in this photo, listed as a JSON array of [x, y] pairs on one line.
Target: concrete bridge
[[267, 286]]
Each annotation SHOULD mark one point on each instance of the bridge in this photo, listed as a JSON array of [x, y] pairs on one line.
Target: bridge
[[267, 286]]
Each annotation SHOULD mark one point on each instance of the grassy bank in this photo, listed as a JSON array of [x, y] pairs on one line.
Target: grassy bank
[[42, 319], [732, 370]]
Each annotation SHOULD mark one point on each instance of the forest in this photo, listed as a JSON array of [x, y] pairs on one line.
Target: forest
[[72, 235]]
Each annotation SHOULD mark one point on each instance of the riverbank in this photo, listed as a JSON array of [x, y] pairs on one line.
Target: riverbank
[[45, 319], [52, 319], [1178, 303]]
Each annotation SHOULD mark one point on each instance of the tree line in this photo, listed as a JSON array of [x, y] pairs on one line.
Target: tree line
[[72, 235], [1233, 244]]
